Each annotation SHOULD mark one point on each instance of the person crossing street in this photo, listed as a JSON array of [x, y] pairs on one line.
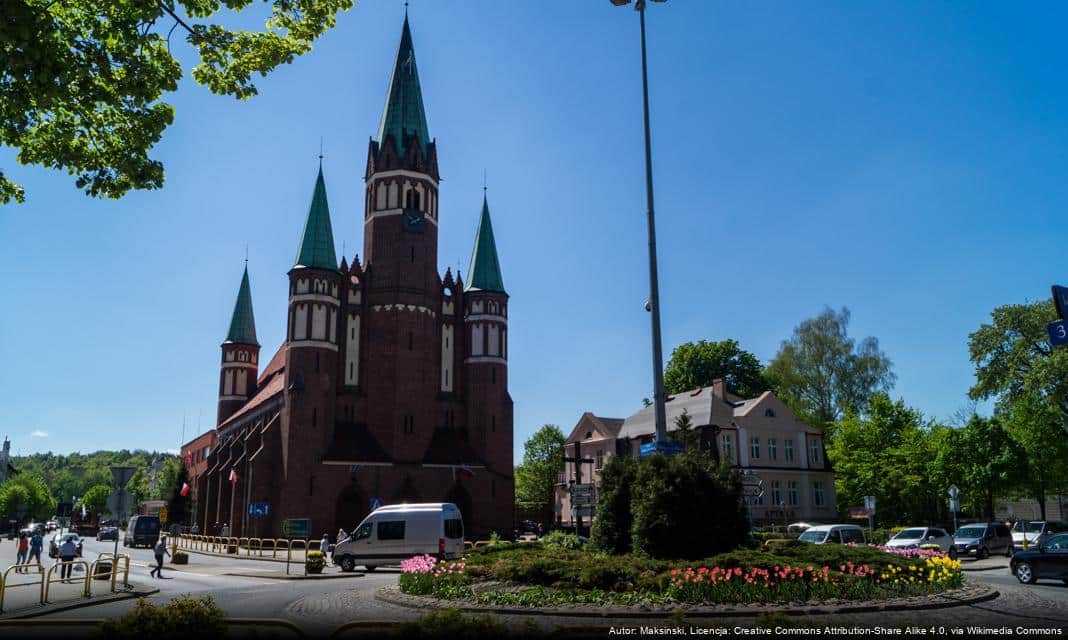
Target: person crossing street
[[160, 550], [67, 550]]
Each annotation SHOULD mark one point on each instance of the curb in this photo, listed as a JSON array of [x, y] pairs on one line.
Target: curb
[[322, 576], [79, 604], [389, 595], [994, 568], [235, 556]]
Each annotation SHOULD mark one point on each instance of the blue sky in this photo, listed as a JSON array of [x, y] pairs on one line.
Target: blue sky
[[906, 160]]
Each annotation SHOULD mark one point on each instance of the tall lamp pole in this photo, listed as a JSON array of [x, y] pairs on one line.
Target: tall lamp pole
[[659, 396]]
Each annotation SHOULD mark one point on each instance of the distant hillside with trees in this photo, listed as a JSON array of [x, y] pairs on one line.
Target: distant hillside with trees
[[76, 474]]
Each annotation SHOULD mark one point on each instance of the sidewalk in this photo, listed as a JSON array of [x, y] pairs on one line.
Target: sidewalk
[[992, 563], [22, 594]]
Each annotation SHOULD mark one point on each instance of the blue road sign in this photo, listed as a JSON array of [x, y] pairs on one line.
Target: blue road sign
[[259, 509], [1058, 332], [375, 503], [666, 448]]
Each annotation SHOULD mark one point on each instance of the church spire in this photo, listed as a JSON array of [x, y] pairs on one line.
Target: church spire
[[243, 323], [317, 245], [485, 271], [403, 114]]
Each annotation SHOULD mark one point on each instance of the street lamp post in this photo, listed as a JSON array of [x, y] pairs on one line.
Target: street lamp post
[[659, 397]]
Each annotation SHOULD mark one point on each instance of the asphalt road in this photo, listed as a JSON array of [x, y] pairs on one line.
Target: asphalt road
[[319, 606]]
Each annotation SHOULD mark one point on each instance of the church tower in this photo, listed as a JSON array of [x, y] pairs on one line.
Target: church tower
[[311, 342], [401, 286], [240, 356], [489, 405]]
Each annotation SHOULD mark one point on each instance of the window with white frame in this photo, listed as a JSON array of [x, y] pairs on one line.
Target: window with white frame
[[791, 493], [728, 447], [754, 448], [600, 458], [776, 493], [817, 494], [773, 449], [814, 451], [788, 449]]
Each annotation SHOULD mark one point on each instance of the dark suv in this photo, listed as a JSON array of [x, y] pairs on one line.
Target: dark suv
[[982, 539]]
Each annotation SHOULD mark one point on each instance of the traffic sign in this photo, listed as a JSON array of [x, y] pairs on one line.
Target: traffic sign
[[1058, 332], [296, 527], [954, 505], [583, 499], [666, 448], [376, 503], [259, 509], [869, 503], [1060, 300], [122, 475], [953, 491], [583, 512], [859, 512], [119, 502]]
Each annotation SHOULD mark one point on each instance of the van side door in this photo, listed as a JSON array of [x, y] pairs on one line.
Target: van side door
[[390, 542]]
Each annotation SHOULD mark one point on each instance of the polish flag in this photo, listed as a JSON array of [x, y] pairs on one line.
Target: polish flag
[[185, 489], [233, 476], [189, 459]]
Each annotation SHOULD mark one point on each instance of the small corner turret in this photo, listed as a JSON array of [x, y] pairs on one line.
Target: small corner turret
[[240, 355]]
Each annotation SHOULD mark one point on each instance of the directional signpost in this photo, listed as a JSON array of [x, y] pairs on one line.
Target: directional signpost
[[121, 498], [1058, 331], [752, 489], [259, 509], [954, 504], [296, 528], [869, 504]]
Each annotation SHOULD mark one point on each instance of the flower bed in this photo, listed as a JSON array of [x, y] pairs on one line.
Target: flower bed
[[531, 575]]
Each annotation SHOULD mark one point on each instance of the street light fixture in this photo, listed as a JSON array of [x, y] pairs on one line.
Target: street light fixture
[[653, 304]]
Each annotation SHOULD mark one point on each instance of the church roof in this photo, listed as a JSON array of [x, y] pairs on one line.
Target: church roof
[[243, 324], [485, 272], [317, 244], [403, 114]]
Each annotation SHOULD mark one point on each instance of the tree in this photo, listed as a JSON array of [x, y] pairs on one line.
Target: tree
[[178, 505], [989, 463], [685, 433], [697, 364], [543, 462], [1035, 426], [823, 374], [611, 530], [27, 489], [1014, 358], [95, 499], [885, 455], [81, 81]]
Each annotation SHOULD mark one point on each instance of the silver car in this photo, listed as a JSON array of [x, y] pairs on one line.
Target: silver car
[[916, 537]]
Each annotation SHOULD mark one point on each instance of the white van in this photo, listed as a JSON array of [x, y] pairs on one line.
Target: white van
[[397, 532], [840, 533]]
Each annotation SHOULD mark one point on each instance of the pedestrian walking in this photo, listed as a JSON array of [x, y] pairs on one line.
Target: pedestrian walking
[[36, 541], [225, 530], [342, 536], [66, 557], [23, 552], [160, 550]]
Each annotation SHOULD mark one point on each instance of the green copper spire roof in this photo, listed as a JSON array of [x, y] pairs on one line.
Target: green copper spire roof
[[403, 114], [243, 324], [317, 245], [485, 271]]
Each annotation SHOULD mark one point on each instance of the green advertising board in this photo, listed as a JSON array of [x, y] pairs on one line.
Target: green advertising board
[[296, 528]]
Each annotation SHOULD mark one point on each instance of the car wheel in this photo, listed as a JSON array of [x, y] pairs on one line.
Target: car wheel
[[370, 567], [982, 554], [1024, 573], [348, 564]]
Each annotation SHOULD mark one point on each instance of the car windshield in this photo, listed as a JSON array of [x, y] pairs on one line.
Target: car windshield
[[971, 532], [909, 534], [813, 536], [1032, 527]]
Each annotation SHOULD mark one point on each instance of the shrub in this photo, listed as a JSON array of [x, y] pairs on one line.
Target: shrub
[[315, 560], [612, 528], [450, 623], [182, 617], [180, 557], [686, 506], [561, 540]]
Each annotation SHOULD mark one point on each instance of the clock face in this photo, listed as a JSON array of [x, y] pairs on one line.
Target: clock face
[[413, 220]]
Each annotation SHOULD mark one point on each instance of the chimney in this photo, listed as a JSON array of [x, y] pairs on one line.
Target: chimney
[[719, 388]]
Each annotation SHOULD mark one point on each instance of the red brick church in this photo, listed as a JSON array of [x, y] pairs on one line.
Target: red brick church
[[392, 383]]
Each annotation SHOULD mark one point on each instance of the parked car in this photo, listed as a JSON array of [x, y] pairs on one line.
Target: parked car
[[398, 532], [797, 528], [108, 533], [1036, 531], [833, 533], [142, 531], [916, 537], [58, 539], [982, 539], [1048, 559]]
